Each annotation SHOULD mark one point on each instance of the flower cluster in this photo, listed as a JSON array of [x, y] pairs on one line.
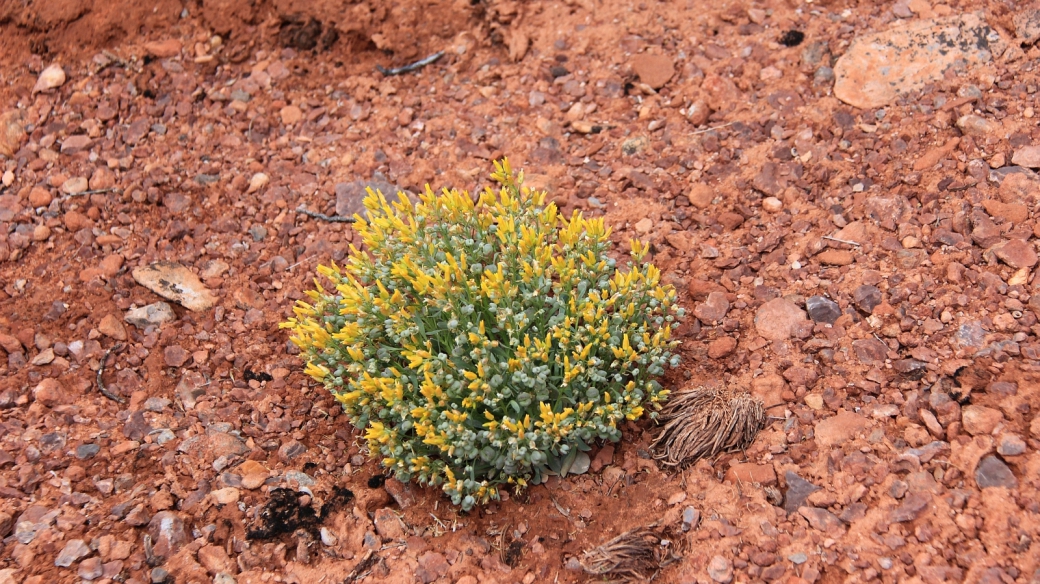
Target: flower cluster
[[480, 343]]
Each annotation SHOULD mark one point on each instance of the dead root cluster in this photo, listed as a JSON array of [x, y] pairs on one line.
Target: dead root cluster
[[637, 554], [705, 422]]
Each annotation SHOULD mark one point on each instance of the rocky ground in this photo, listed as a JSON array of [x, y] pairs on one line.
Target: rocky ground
[[855, 241]]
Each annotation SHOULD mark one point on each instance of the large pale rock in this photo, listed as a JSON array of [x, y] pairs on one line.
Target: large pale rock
[[12, 132], [175, 282], [654, 70], [779, 319], [836, 430], [880, 67]]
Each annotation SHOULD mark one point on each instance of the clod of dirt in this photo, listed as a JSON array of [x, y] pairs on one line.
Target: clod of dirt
[[306, 35], [284, 513], [705, 422]]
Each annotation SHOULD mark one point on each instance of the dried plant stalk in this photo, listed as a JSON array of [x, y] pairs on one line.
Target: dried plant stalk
[[705, 422], [630, 555]]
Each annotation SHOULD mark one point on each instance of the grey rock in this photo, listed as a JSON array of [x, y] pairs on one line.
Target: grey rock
[[690, 518], [73, 551], [349, 196], [1011, 445], [992, 472], [87, 451], [798, 558], [168, 533], [156, 404], [798, 490], [720, 570], [822, 309], [866, 297]]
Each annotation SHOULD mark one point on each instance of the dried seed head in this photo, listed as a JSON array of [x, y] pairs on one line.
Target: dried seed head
[[705, 422]]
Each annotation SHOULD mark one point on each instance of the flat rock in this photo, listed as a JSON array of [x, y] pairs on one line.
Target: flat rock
[[713, 309], [992, 472], [153, 314], [878, 68], [175, 282], [73, 551], [721, 347], [720, 570], [822, 520], [1017, 254], [838, 429], [111, 327], [163, 49], [654, 70], [835, 257], [870, 351], [798, 491], [215, 559], [432, 566], [980, 419], [388, 524], [778, 319], [866, 297], [1028, 156], [749, 472], [77, 143], [50, 78]]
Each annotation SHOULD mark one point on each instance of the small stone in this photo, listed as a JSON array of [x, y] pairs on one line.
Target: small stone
[[779, 319], [102, 178], [87, 451], [690, 518], [713, 309], [40, 197], [870, 351], [225, 496], [913, 506], [644, 225], [151, 315], [258, 182], [253, 474], [432, 566], [749, 472], [822, 309], [1011, 445], [720, 570], [634, 145], [973, 125], [654, 70], [700, 195], [111, 327], [90, 569], [74, 186], [163, 49], [290, 115], [51, 78], [1028, 156], [731, 220], [866, 297], [698, 112], [160, 576], [1014, 212], [291, 450], [772, 205], [1027, 25], [992, 472], [1017, 253], [388, 524], [822, 520], [721, 347], [835, 257], [980, 419], [175, 356], [46, 357], [215, 559], [798, 491], [74, 144], [814, 401], [168, 533], [41, 233], [175, 282], [73, 551], [49, 392], [837, 430]]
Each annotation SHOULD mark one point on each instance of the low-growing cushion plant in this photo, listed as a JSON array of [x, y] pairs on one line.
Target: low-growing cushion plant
[[485, 343]]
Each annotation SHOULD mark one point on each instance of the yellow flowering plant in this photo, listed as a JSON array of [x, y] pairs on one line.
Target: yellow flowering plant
[[484, 343]]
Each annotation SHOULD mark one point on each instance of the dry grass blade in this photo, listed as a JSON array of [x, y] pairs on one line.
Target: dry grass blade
[[705, 422], [630, 555]]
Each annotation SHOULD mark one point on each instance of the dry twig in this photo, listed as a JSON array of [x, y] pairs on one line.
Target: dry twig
[[705, 422], [322, 216], [101, 370], [411, 67]]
